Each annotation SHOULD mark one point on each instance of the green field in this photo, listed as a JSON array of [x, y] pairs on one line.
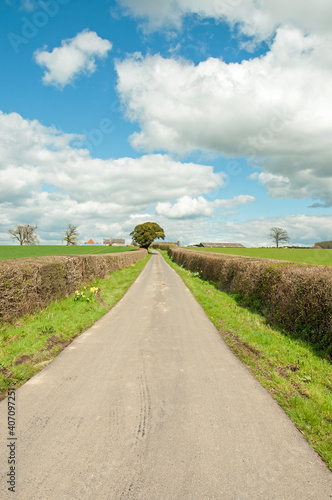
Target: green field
[[305, 255], [18, 251]]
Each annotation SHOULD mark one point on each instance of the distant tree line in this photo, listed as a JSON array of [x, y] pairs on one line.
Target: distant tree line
[[324, 244]]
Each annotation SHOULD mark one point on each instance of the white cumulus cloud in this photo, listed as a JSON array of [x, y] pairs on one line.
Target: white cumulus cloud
[[185, 207], [46, 180], [188, 207], [76, 56], [256, 18], [274, 109], [237, 201]]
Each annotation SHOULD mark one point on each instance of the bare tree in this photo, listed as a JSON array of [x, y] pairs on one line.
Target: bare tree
[[71, 235], [278, 234], [31, 238], [25, 235]]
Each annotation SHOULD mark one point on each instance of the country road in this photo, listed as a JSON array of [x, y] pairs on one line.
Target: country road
[[149, 404]]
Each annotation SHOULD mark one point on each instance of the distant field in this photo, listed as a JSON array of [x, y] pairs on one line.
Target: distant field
[[305, 255], [18, 251]]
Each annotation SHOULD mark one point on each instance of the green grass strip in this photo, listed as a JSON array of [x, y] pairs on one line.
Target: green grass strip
[[33, 341], [316, 256], [19, 252], [298, 376]]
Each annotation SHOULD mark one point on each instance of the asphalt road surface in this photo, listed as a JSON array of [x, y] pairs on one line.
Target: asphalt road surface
[[151, 404]]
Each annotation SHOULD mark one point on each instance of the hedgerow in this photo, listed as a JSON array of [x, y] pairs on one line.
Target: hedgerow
[[163, 246], [297, 297], [29, 284]]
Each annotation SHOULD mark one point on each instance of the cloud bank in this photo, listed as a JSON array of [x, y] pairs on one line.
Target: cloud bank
[[273, 110], [49, 181], [44, 176]]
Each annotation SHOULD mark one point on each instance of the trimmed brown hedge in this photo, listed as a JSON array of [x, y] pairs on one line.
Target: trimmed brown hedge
[[29, 284], [295, 296], [163, 246]]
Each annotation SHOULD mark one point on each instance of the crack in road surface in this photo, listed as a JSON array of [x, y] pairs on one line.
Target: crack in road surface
[[149, 404]]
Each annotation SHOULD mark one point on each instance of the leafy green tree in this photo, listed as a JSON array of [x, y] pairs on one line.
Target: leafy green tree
[[25, 235], [278, 234], [71, 235], [144, 234]]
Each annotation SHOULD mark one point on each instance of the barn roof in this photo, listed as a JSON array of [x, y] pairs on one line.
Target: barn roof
[[221, 245]]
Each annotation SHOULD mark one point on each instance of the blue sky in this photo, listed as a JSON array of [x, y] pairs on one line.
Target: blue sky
[[212, 118]]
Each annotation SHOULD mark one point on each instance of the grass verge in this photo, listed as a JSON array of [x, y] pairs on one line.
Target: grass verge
[[33, 341], [297, 375]]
